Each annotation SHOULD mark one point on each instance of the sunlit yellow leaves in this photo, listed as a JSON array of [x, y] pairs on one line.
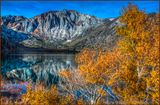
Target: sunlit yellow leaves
[[153, 85], [102, 92], [43, 96], [81, 102], [97, 68], [139, 45], [85, 57], [65, 74], [130, 68], [40, 96]]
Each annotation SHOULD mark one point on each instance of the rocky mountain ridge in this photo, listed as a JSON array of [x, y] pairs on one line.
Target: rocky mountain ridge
[[67, 29]]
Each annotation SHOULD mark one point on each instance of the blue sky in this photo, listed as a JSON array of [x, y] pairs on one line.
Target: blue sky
[[101, 9]]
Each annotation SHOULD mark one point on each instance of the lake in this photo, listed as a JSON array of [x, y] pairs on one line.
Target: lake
[[35, 68]]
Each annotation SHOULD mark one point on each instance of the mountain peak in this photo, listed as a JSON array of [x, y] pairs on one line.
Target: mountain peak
[[54, 26], [62, 12]]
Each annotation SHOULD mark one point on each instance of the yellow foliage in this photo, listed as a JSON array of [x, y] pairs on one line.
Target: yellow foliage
[[131, 69], [139, 46], [43, 96], [102, 92], [98, 67], [65, 74], [40, 96]]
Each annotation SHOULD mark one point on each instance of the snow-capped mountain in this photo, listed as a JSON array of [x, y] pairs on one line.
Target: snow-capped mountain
[[65, 29]]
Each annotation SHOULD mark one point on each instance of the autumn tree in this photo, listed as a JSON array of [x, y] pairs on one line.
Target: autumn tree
[[40, 95], [132, 68], [139, 45]]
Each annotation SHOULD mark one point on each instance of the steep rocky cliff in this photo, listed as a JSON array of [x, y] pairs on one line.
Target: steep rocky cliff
[[67, 29]]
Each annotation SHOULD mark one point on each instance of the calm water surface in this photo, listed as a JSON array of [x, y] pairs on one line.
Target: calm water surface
[[41, 68]]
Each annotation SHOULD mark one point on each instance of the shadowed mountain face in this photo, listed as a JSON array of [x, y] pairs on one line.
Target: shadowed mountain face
[[103, 37], [65, 29], [37, 67]]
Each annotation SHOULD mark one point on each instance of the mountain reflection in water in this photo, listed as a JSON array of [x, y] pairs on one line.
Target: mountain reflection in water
[[41, 68]]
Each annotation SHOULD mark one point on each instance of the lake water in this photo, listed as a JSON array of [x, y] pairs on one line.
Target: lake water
[[41, 68]]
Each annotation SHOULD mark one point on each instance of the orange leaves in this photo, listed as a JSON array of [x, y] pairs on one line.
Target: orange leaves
[[98, 66], [102, 92], [132, 16], [85, 56], [128, 67], [139, 38], [43, 96], [153, 84], [65, 74], [81, 102]]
